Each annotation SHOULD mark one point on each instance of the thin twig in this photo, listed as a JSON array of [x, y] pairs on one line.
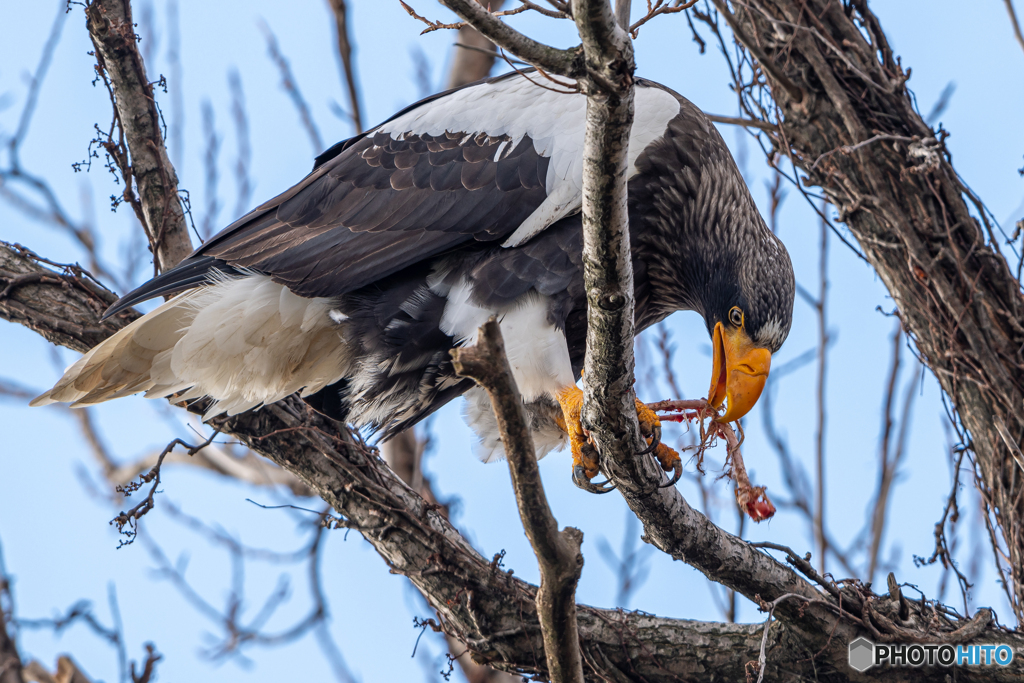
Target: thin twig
[[244, 149], [291, 87], [739, 121], [127, 521], [659, 7], [886, 469], [347, 56], [819, 451], [1014, 23]]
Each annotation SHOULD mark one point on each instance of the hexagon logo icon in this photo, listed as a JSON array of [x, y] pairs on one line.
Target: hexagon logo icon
[[862, 654]]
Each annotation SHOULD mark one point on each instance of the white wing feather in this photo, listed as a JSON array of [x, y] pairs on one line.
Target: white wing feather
[[517, 106]]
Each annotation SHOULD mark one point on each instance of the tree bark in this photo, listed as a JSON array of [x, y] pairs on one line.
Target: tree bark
[[347, 57], [558, 552], [559, 62], [469, 64], [856, 133], [609, 410], [145, 159], [492, 612], [10, 660]]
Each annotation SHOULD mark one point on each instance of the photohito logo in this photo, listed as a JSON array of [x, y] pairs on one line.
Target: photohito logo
[[864, 654]]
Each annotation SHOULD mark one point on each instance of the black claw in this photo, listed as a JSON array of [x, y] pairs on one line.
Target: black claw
[[655, 440], [676, 474], [579, 478]]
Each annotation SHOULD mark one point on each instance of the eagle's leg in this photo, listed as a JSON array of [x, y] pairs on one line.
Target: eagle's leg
[[584, 456]]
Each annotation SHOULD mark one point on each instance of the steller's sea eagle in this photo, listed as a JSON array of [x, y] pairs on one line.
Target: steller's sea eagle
[[352, 286]]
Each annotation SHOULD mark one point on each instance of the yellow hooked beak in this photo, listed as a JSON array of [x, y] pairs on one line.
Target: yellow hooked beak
[[739, 372]]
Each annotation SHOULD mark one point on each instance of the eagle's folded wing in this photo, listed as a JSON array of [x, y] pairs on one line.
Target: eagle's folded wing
[[496, 161]]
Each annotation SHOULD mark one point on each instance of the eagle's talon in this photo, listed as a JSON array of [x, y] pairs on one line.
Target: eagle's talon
[[655, 440], [670, 461], [580, 478], [584, 456], [676, 475]]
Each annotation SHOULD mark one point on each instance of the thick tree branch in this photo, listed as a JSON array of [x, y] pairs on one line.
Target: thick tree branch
[[857, 134], [10, 660], [609, 410], [158, 206], [403, 453], [669, 521], [558, 552], [489, 610]]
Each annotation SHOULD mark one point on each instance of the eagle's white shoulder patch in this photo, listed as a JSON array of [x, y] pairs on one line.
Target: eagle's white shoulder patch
[[518, 106]]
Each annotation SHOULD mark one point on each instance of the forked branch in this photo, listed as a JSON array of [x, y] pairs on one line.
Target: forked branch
[[558, 552]]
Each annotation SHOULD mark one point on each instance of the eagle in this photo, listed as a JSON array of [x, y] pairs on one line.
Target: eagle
[[353, 286]]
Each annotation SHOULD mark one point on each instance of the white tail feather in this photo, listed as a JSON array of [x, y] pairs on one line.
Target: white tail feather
[[243, 341]]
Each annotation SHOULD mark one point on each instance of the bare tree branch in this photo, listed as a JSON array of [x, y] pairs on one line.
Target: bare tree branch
[[176, 128], [159, 208], [346, 54], [490, 611], [609, 408], [558, 552], [474, 56], [10, 660], [821, 308], [67, 672], [291, 87], [887, 470], [1014, 23], [924, 231], [737, 121], [559, 62], [246, 468], [244, 154]]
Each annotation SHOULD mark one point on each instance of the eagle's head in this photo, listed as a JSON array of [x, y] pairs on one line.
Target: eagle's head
[[747, 303], [706, 248]]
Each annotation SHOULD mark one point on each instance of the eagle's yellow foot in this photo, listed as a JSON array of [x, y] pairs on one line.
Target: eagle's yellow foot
[[584, 455], [650, 427]]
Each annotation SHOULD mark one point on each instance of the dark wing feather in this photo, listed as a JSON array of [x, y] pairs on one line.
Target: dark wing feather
[[362, 216], [191, 272], [350, 222], [374, 207], [382, 201]]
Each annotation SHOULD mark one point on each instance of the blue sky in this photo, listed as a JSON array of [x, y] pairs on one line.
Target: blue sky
[[55, 538]]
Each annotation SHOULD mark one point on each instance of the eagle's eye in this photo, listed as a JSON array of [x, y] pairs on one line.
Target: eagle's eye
[[736, 316]]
